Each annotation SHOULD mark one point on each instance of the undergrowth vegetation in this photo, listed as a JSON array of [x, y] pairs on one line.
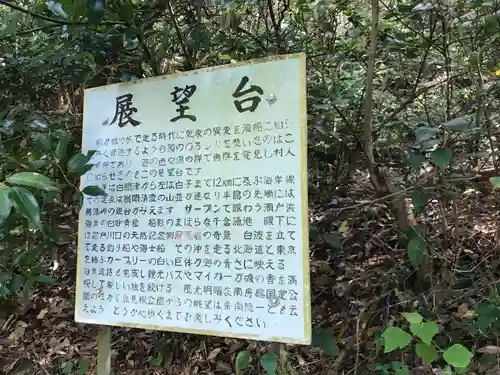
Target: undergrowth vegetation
[[403, 128]]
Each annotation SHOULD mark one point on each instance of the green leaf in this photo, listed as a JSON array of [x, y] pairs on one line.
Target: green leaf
[[33, 179], [79, 160], [25, 204], [42, 141], [62, 146], [83, 367], [419, 199], [270, 363], [424, 133], [458, 124], [413, 317], [95, 10], [242, 361], [93, 190], [403, 370], [44, 279], [442, 157], [416, 250], [5, 203], [395, 337], [66, 367], [324, 339], [416, 160], [495, 181], [425, 331], [427, 352], [157, 360], [457, 356]]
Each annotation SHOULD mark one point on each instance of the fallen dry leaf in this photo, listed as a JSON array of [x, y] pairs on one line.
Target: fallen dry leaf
[[17, 333], [42, 314], [489, 349], [213, 354]]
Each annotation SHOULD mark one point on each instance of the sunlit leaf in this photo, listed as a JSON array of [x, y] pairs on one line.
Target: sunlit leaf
[[395, 337], [457, 356], [5, 203], [33, 179], [425, 331], [242, 361], [25, 204], [413, 317]]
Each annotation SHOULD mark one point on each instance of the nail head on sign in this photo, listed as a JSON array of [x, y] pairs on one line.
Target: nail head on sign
[[271, 99]]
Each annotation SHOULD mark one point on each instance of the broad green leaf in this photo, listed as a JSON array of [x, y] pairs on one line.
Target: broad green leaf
[[413, 317], [416, 160], [458, 124], [442, 157], [33, 179], [242, 361], [344, 227], [66, 367], [93, 190], [25, 203], [427, 352], [324, 339], [270, 363], [457, 356], [83, 367], [44, 279], [395, 337], [42, 141], [495, 181], [225, 58], [5, 203], [419, 199], [416, 250], [79, 160], [425, 331]]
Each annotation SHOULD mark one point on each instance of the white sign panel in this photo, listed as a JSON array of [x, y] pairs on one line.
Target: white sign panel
[[204, 226]]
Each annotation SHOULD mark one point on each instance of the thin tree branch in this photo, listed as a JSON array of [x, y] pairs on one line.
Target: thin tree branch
[[178, 32], [30, 31]]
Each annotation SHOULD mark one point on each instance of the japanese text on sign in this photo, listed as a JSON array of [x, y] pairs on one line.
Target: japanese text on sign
[[203, 228]]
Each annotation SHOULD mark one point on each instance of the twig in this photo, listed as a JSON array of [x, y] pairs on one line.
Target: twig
[[178, 32]]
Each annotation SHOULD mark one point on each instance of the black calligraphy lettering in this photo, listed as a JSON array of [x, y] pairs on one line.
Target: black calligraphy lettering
[[253, 100], [124, 111], [181, 98]]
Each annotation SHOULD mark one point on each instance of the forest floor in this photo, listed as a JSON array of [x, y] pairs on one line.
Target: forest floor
[[356, 291]]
